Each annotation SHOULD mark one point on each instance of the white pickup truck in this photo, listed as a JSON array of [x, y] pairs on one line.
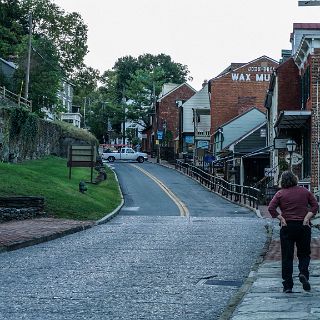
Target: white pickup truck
[[125, 154]]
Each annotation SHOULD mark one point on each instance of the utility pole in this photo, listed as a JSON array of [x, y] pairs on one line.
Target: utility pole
[[26, 92], [124, 120]]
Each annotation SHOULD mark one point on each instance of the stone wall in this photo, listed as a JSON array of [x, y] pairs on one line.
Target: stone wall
[[20, 208], [49, 139]]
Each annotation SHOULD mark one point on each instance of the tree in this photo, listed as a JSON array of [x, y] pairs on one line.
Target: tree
[[12, 27], [139, 80], [66, 31], [85, 82], [45, 73]]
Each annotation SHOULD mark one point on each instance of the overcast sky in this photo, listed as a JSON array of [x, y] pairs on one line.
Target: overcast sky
[[205, 35]]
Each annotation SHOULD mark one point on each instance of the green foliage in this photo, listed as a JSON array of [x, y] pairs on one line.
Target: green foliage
[[23, 123], [45, 73], [140, 80], [48, 177], [85, 83], [18, 117], [59, 43], [30, 129], [68, 130], [168, 138], [12, 27], [66, 31]]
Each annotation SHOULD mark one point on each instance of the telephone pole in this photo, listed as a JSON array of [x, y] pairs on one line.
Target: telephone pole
[[26, 92]]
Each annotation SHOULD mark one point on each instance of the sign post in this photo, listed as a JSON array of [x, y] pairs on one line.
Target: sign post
[[81, 156]]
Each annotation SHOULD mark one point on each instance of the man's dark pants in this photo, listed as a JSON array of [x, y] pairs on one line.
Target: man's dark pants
[[294, 233]]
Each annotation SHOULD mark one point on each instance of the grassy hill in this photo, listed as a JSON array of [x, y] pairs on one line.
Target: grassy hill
[[49, 177]]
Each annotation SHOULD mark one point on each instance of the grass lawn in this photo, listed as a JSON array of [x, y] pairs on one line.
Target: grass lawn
[[49, 177]]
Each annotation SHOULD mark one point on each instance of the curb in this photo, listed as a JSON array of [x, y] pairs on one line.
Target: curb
[[112, 214], [61, 234], [42, 239]]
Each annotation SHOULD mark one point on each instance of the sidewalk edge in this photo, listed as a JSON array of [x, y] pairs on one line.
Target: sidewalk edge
[[42, 239], [112, 214]]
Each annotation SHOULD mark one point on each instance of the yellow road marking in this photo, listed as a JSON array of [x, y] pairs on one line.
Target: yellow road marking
[[181, 206]]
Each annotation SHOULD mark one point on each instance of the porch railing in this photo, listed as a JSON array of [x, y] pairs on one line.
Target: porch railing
[[237, 193], [16, 98]]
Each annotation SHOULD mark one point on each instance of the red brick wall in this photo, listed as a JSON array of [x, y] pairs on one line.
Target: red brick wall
[[289, 97], [168, 111], [314, 68], [230, 97]]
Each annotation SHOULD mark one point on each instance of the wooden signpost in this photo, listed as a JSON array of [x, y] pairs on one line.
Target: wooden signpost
[[82, 156]]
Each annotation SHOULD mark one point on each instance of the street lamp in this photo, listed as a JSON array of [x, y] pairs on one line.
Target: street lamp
[[291, 147]]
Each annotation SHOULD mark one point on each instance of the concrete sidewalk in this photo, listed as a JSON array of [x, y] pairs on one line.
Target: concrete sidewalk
[[264, 298]]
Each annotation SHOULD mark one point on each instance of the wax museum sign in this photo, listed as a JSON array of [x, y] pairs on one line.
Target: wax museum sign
[[254, 73]]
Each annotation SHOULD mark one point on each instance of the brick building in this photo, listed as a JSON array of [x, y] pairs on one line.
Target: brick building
[[293, 107], [168, 118], [238, 88]]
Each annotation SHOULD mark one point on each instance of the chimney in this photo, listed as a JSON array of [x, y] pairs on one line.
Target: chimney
[[205, 82]]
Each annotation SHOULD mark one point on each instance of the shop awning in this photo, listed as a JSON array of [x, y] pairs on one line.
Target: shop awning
[[294, 119]]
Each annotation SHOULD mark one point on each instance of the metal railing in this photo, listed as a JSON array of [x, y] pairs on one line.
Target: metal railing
[[16, 98], [237, 193]]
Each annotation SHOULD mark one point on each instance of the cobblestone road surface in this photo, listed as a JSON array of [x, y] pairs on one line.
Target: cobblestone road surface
[[132, 268]]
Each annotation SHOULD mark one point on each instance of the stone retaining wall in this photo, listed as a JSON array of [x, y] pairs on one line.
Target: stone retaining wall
[[20, 208]]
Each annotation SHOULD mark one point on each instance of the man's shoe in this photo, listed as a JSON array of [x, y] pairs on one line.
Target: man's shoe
[[288, 290], [305, 283]]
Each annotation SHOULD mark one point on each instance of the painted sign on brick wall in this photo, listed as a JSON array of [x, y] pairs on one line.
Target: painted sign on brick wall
[[261, 73]]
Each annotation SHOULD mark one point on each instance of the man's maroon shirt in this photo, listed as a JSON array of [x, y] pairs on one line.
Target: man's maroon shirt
[[294, 203]]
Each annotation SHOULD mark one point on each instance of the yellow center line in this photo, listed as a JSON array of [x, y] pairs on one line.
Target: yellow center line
[[184, 212]]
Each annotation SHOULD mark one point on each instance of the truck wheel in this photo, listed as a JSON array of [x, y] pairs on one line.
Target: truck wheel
[[111, 159], [140, 159]]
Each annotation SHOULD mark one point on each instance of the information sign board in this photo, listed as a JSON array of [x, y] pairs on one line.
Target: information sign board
[[81, 156]]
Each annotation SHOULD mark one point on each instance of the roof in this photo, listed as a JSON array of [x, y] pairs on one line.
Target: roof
[[240, 115], [259, 126], [167, 87], [244, 65], [293, 119], [309, 26], [199, 100], [231, 67], [9, 63], [174, 88]]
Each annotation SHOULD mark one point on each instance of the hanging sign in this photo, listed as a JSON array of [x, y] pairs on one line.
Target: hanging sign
[[295, 160]]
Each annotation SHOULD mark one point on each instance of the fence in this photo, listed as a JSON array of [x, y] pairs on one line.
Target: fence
[[237, 193], [5, 93]]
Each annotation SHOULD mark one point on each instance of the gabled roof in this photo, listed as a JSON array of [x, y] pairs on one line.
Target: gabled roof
[[9, 63], [244, 65], [239, 116], [231, 67], [174, 89], [199, 100], [259, 126]]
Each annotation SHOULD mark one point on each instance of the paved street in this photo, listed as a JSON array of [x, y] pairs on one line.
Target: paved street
[[138, 266]]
